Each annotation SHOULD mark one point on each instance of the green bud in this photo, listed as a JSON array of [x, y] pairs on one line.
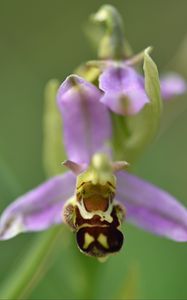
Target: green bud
[[111, 44]]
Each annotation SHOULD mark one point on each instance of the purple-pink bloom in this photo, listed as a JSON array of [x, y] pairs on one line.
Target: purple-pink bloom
[[172, 85], [147, 206], [124, 88], [124, 91]]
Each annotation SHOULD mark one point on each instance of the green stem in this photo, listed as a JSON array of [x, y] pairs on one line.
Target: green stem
[[121, 133], [33, 267]]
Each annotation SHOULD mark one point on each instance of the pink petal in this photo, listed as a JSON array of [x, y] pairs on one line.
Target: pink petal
[[38, 209], [86, 121], [151, 208], [124, 91]]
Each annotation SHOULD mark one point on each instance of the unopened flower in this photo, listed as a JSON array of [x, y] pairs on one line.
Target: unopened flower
[[97, 194]]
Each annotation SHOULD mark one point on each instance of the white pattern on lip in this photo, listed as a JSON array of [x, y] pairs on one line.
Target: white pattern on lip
[[104, 215]]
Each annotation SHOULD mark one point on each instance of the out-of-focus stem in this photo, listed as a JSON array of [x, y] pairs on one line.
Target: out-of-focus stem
[[33, 267]]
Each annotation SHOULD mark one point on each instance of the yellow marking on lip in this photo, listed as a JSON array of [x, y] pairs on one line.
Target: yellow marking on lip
[[102, 239], [88, 239]]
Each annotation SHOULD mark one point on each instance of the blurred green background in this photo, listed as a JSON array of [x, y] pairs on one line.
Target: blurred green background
[[44, 39]]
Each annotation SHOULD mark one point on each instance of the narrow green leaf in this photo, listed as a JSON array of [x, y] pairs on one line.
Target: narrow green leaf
[[53, 149], [146, 124], [152, 87]]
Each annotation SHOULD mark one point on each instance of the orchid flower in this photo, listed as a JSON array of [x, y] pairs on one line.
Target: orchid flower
[[123, 86], [134, 98], [95, 195]]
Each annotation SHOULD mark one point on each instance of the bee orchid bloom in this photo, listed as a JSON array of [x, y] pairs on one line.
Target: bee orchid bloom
[[95, 196]]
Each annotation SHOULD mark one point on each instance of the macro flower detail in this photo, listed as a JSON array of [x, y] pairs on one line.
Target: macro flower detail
[[93, 212], [96, 195]]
